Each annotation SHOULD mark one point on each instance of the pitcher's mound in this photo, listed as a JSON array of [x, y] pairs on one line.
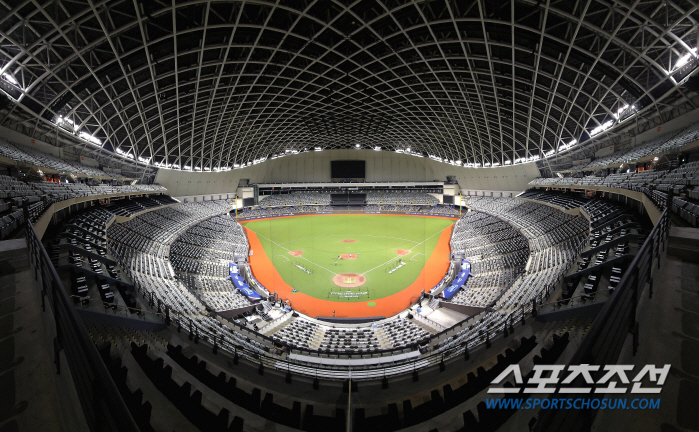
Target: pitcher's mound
[[402, 252], [296, 253], [349, 280], [347, 256], [349, 241]]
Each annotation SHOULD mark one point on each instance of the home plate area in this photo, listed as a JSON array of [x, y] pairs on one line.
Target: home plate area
[[296, 253], [349, 280]]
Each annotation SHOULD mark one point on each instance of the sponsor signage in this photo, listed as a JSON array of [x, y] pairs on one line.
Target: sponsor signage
[[458, 282], [240, 284]]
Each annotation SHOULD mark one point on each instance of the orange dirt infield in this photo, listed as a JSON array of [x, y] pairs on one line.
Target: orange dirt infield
[[349, 241], [296, 253], [433, 271], [347, 256], [402, 252], [358, 280]]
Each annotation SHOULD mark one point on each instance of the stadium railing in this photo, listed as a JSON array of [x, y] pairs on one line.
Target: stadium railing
[[102, 405], [606, 338]]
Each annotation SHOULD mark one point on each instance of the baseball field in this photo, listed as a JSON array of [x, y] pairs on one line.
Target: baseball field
[[355, 265]]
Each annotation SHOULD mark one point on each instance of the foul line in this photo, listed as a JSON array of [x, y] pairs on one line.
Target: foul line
[[415, 256], [286, 258], [399, 257], [289, 250]]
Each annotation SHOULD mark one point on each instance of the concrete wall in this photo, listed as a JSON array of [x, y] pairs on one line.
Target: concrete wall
[[16, 137], [381, 166], [674, 124]]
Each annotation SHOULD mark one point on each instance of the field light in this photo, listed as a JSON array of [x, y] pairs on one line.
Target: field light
[[9, 78], [601, 128], [685, 58]]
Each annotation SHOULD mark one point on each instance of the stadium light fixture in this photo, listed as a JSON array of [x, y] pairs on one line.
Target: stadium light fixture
[[685, 58], [620, 111], [126, 154], [66, 123], [377, 148], [318, 149], [570, 143], [601, 128], [11, 79], [87, 137]]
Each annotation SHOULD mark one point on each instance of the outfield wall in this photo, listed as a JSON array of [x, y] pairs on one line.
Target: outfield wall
[[381, 166], [242, 218]]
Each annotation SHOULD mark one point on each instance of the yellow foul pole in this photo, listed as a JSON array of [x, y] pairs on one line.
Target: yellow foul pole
[[460, 204]]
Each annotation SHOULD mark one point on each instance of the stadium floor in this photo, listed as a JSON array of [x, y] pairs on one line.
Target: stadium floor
[[386, 303]]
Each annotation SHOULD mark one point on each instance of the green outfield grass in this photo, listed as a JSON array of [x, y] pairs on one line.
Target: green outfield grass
[[320, 238]]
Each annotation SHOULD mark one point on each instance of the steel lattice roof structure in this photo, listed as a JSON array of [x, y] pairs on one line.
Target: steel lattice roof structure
[[212, 85]]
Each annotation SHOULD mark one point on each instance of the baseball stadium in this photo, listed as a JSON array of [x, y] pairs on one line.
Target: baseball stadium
[[349, 216]]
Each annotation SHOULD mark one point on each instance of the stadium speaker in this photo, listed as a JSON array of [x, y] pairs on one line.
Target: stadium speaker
[[410, 316], [384, 383], [316, 384], [288, 377]]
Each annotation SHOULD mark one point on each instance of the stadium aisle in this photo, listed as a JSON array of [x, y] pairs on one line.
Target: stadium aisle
[[30, 399], [671, 337]]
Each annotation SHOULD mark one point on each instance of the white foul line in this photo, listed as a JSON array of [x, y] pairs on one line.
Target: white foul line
[[398, 257], [289, 250]]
